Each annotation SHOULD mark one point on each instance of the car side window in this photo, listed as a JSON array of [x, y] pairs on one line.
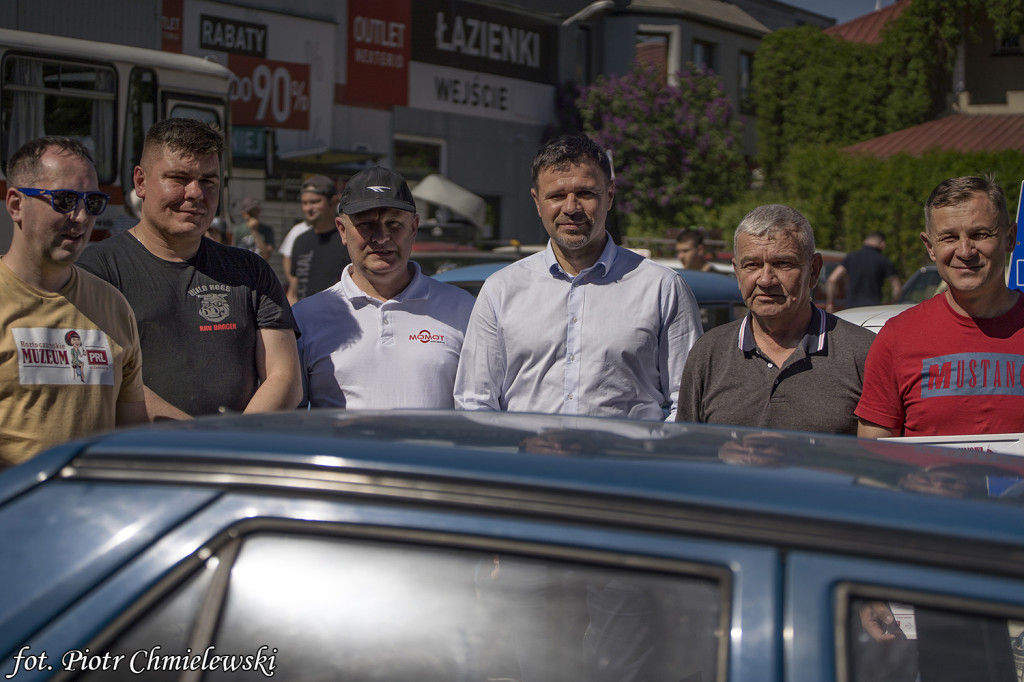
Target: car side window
[[897, 642], [326, 608]]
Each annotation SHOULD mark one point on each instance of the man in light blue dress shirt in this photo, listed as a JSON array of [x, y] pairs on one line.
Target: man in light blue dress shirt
[[584, 327]]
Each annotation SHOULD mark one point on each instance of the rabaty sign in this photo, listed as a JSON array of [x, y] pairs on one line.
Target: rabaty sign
[[379, 35], [483, 61], [283, 67], [232, 35]]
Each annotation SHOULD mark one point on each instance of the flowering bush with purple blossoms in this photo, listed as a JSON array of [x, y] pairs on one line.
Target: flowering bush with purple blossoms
[[676, 149]]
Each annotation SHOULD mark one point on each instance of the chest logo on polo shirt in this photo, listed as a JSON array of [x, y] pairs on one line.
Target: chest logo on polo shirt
[[426, 337]]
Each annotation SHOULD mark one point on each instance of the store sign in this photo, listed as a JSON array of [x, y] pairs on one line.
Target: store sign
[[466, 35], [232, 35], [272, 93], [379, 35], [248, 142], [441, 88]]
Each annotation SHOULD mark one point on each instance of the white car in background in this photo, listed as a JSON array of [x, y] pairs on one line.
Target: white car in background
[[922, 285]]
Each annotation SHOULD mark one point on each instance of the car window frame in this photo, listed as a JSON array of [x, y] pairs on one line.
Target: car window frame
[[741, 569]]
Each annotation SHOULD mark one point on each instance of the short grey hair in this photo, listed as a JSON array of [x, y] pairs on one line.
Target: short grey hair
[[771, 220]]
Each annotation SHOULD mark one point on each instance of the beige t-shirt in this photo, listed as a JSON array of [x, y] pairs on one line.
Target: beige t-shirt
[[66, 360]]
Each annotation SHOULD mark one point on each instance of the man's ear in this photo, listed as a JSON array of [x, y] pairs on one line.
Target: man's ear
[[817, 262], [536, 200], [339, 222], [13, 201], [928, 245], [139, 179]]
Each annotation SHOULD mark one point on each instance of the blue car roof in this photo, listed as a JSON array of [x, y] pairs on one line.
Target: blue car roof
[[799, 475]]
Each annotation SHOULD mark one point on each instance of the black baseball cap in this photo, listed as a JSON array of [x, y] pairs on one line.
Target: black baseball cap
[[319, 184], [376, 187]]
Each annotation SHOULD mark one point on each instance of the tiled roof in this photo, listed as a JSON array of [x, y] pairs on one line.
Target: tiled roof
[[868, 28], [959, 132]]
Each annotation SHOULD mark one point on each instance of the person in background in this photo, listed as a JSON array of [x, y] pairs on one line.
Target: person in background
[[70, 362], [952, 364], [787, 364], [217, 332], [318, 256], [386, 335], [584, 327], [865, 270], [690, 251], [252, 235]]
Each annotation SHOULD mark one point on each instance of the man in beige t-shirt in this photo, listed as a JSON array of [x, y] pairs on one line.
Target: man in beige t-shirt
[[70, 363]]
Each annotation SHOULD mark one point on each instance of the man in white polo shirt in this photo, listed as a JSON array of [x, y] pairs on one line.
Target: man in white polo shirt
[[386, 335]]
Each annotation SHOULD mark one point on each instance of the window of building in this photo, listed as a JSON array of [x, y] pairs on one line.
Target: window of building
[[746, 74], [704, 54], [417, 157], [658, 45]]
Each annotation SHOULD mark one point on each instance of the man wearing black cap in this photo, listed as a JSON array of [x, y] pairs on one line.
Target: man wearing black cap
[[317, 256], [385, 336]]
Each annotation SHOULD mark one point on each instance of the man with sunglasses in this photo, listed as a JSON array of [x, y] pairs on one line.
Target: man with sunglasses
[[217, 332], [70, 361]]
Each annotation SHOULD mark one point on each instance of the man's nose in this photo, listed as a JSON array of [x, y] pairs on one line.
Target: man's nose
[[965, 248], [193, 190], [571, 205], [766, 274]]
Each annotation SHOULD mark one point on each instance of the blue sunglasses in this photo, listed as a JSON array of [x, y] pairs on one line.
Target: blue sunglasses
[[66, 200]]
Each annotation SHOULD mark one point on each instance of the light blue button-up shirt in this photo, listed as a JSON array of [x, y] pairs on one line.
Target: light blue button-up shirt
[[611, 341]]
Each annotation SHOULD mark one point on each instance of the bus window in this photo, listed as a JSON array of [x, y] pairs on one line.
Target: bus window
[[204, 114], [139, 116], [49, 97]]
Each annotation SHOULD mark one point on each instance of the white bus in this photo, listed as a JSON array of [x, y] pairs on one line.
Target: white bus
[[107, 96]]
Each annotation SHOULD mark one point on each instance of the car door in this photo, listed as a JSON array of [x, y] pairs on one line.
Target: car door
[[321, 589], [950, 624]]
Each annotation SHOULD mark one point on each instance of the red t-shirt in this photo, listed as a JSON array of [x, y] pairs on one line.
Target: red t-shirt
[[934, 372]]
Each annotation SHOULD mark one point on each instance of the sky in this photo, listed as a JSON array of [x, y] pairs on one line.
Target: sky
[[840, 10]]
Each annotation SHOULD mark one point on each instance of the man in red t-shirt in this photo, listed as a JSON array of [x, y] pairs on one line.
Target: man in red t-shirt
[[955, 363]]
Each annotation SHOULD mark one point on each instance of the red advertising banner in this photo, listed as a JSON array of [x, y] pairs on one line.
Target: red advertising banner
[[379, 49], [170, 25], [265, 92]]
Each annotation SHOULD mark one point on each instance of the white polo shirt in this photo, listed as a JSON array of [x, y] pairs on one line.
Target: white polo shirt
[[359, 352]]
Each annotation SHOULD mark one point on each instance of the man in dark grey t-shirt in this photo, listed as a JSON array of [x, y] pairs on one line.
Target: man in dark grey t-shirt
[[787, 364]]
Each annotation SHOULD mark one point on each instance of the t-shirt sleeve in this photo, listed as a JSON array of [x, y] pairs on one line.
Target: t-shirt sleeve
[[131, 372], [880, 400], [272, 308]]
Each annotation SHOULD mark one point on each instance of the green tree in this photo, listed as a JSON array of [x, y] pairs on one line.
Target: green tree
[[676, 149], [810, 88]]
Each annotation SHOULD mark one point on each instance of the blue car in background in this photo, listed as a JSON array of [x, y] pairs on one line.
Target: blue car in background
[[409, 545], [718, 295]]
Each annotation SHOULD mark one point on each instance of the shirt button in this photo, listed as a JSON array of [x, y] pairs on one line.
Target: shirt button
[[569, 397], [571, 357], [575, 320]]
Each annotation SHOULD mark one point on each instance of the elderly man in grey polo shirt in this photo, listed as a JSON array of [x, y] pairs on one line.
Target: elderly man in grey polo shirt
[[787, 364]]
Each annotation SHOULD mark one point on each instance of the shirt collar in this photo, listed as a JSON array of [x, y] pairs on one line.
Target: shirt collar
[[813, 341], [604, 261], [418, 287]]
